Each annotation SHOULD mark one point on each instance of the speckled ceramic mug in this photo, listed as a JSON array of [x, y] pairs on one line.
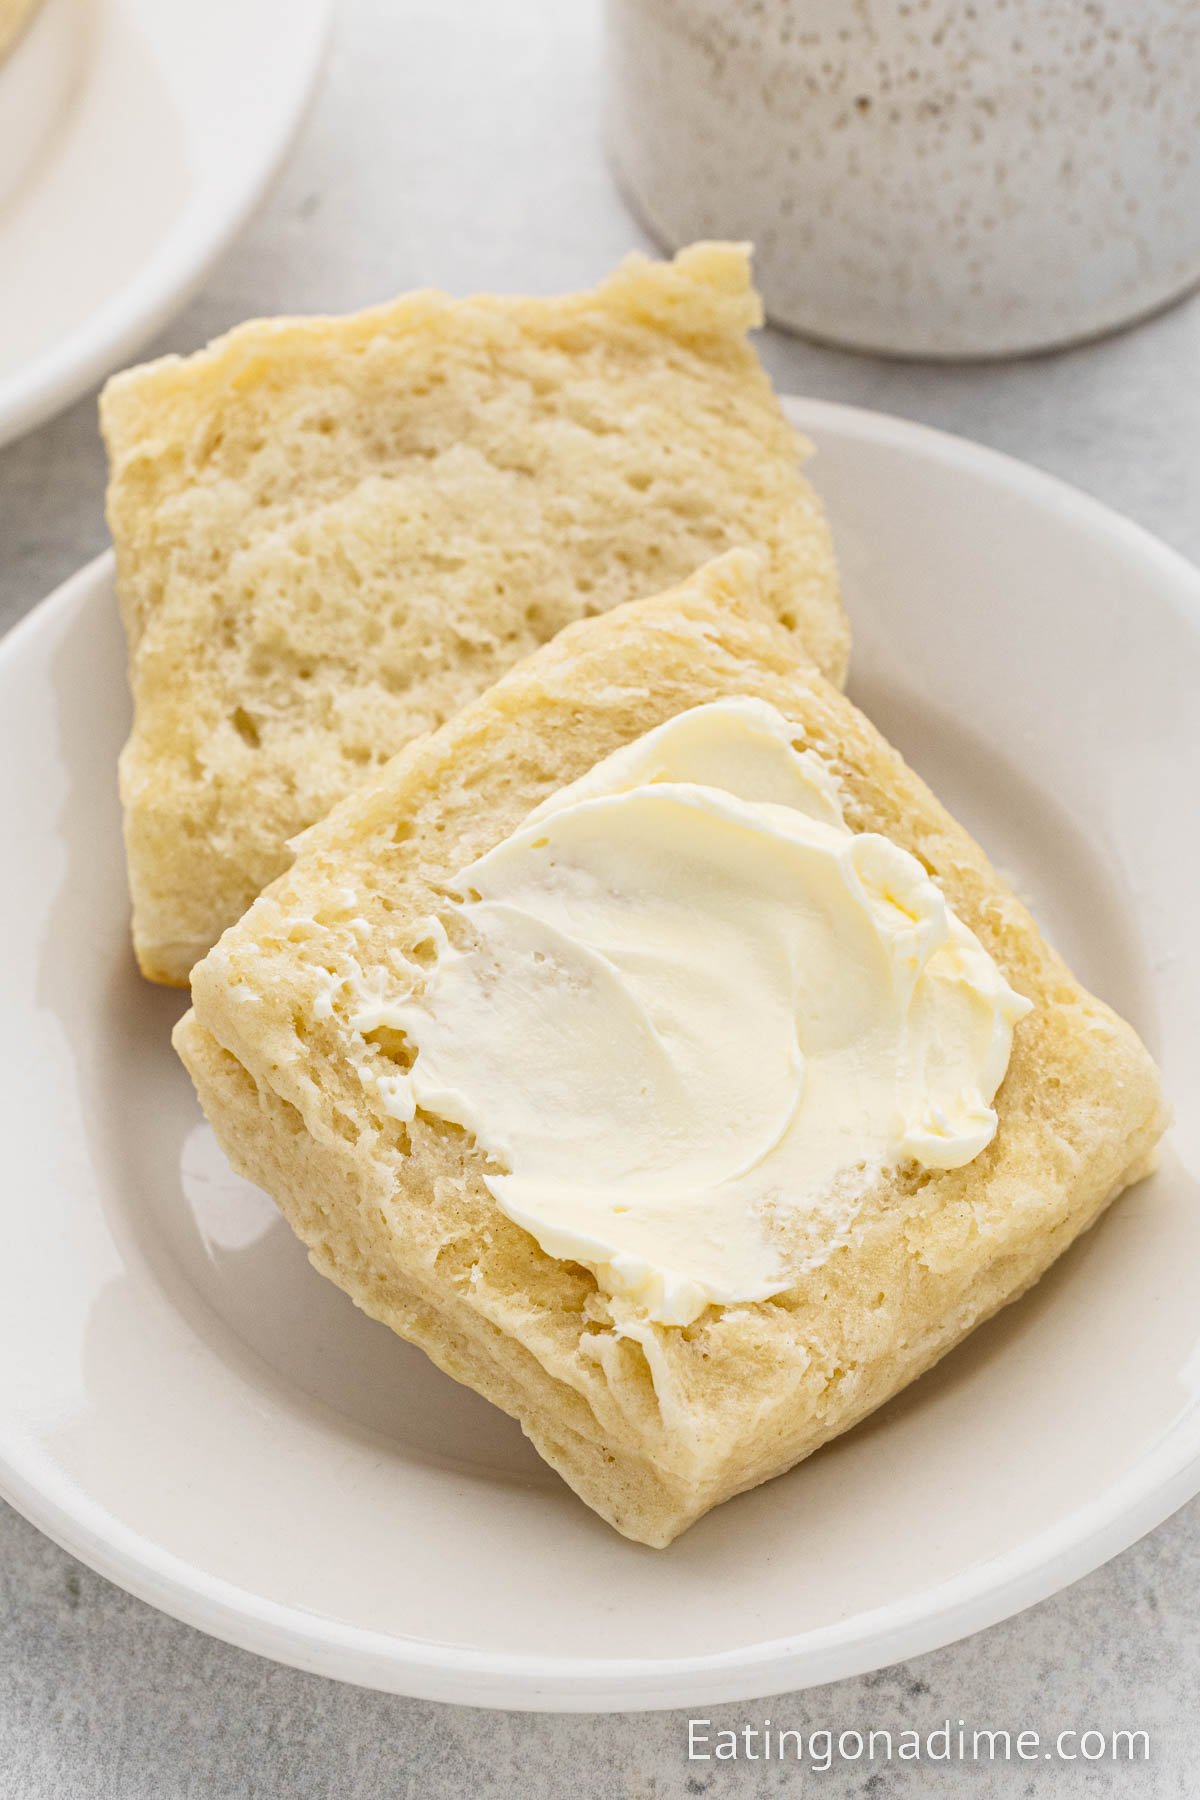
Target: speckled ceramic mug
[[922, 177]]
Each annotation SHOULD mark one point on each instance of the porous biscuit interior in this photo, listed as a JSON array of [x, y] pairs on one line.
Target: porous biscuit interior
[[650, 1431], [332, 532]]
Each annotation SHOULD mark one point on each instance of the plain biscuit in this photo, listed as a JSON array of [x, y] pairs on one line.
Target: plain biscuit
[[653, 1432], [330, 533]]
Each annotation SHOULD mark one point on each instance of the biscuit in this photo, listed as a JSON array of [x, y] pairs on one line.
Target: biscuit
[[651, 1432], [330, 533]]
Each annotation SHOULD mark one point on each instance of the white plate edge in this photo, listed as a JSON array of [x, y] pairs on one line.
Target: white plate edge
[[164, 285]]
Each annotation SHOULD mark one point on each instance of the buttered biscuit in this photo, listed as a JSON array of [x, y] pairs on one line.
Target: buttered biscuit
[[649, 1046]]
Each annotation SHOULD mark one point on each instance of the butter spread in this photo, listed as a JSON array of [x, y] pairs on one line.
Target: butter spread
[[689, 1015]]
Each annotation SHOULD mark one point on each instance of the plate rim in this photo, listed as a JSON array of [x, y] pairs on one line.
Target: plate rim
[[1160, 1482], [175, 269]]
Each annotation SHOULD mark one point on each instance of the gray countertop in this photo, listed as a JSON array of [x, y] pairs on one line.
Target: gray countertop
[[461, 146]]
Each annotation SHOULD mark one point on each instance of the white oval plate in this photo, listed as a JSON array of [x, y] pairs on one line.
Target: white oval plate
[[193, 1411], [179, 117]]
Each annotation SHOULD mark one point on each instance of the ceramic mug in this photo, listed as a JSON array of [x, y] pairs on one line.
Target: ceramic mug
[[922, 177]]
